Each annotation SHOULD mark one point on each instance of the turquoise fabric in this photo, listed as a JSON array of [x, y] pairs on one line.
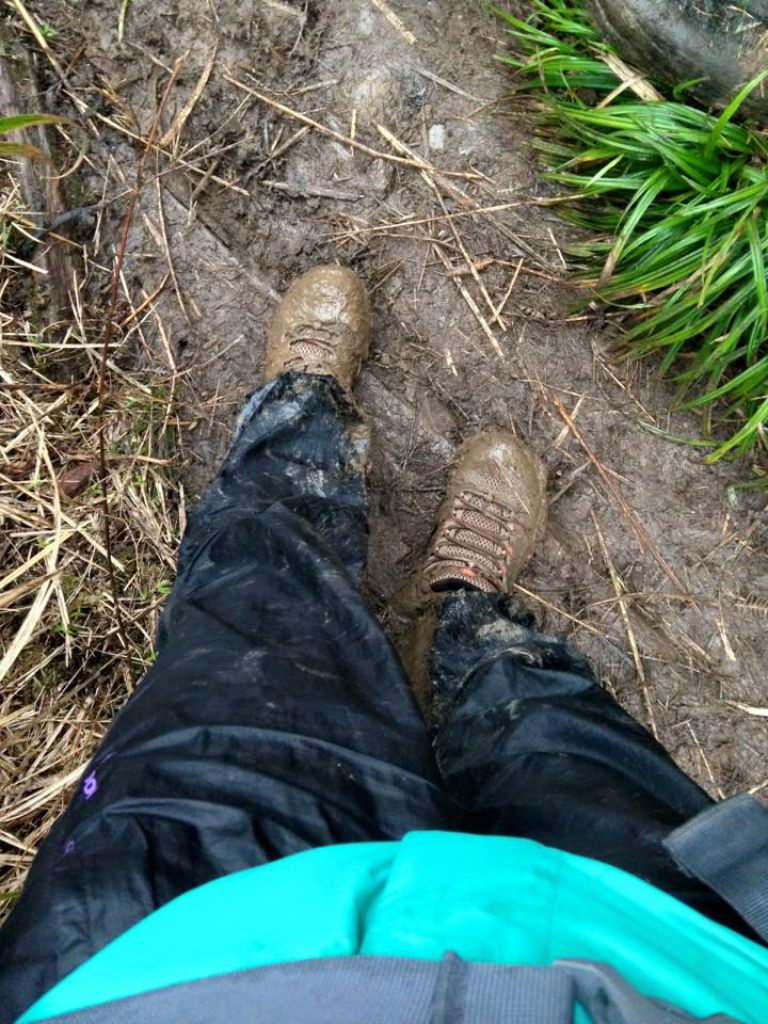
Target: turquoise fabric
[[490, 899]]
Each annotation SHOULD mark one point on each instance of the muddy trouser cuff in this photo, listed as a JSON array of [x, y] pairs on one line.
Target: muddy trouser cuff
[[276, 718], [530, 745]]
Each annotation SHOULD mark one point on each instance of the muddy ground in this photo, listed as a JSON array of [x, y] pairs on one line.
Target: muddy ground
[[651, 564]]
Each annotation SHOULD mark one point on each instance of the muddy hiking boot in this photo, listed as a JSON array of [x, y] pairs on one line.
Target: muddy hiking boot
[[322, 325], [493, 513], [722, 44]]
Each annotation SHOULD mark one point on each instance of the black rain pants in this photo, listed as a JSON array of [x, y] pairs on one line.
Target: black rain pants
[[277, 716]]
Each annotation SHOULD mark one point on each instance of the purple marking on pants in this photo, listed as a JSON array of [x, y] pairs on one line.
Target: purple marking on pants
[[69, 847], [90, 785]]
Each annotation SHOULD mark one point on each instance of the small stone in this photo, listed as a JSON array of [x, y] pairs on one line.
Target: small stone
[[437, 137]]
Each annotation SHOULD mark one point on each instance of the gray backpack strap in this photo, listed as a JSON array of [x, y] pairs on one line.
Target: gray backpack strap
[[726, 847], [381, 990], [610, 999], [352, 990]]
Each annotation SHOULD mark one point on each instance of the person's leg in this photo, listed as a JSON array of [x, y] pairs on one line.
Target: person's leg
[[529, 745], [277, 716]]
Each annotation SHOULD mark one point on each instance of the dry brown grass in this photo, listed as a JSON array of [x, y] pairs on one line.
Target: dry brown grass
[[74, 638]]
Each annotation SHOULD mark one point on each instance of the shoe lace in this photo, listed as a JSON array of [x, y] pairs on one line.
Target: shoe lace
[[310, 345], [474, 545]]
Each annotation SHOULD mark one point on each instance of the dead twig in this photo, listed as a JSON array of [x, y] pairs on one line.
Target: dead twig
[[558, 611], [646, 544], [433, 175], [174, 132], [432, 178], [466, 295], [395, 21], [619, 590], [432, 77], [309, 191], [708, 767], [42, 42], [345, 140]]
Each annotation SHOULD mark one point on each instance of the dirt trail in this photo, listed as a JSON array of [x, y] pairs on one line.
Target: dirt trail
[[650, 564]]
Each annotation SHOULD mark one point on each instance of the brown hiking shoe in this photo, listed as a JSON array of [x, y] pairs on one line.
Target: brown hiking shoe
[[493, 513], [322, 325]]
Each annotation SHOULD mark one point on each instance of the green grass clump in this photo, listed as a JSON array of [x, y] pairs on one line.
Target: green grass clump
[[676, 202]]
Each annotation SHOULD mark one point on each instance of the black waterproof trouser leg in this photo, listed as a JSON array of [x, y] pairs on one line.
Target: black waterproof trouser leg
[[277, 716]]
